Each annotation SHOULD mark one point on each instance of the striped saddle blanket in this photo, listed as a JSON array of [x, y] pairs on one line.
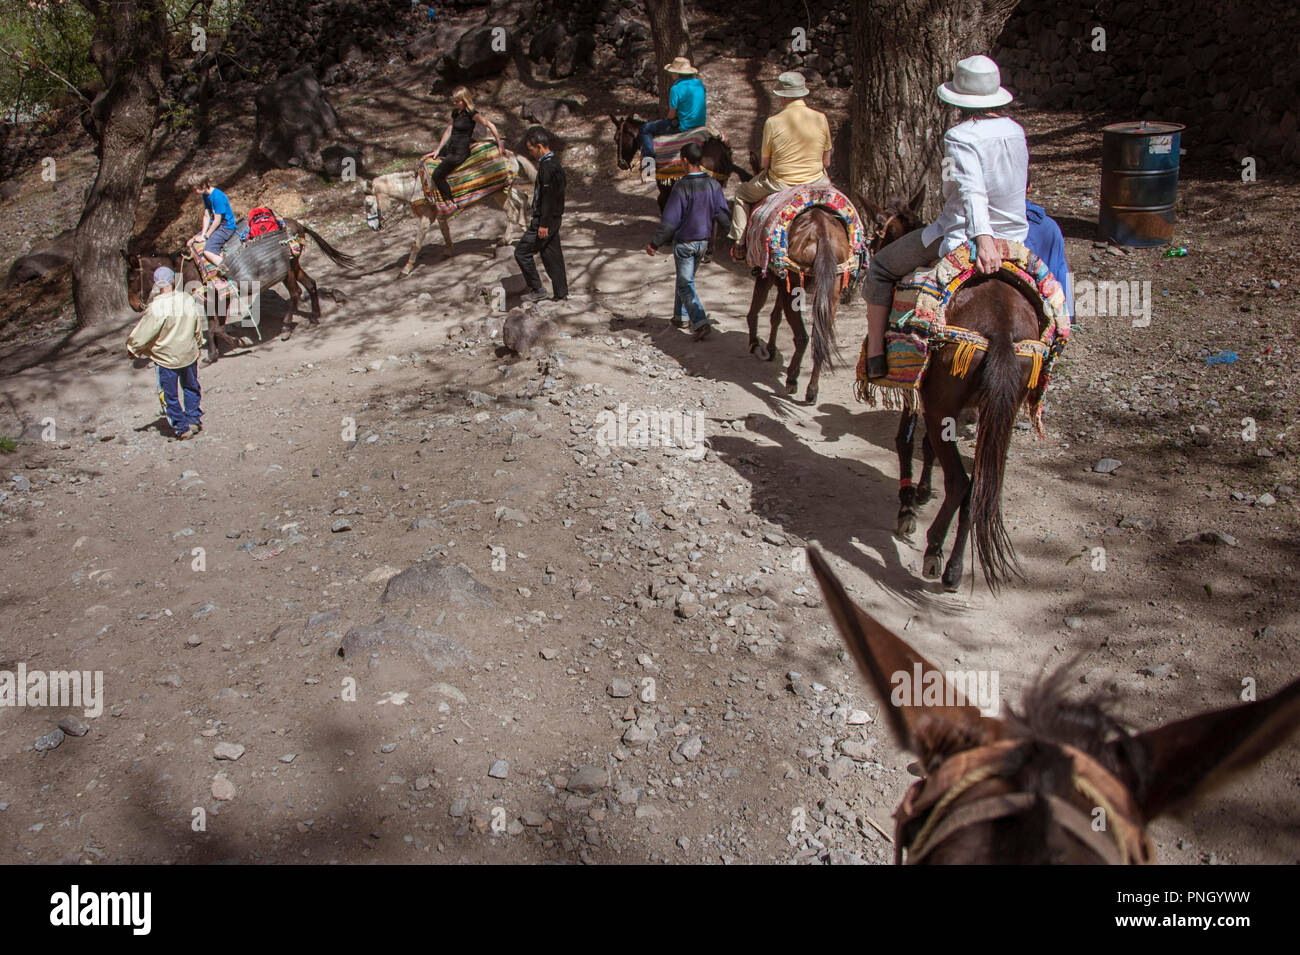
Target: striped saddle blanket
[[255, 259], [483, 172], [918, 326], [767, 236], [668, 152]]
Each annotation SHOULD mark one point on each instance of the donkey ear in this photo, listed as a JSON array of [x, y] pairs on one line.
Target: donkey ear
[[1187, 758], [917, 200], [615, 120], [885, 660], [126, 255], [874, 212]]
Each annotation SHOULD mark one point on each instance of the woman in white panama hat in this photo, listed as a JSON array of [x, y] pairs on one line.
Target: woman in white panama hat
[[686, 106], [986, 162]]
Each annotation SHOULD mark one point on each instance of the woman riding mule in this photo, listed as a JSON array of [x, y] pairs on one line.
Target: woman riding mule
[[457, 137], [986, 166]]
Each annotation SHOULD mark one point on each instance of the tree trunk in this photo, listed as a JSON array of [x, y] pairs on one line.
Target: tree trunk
[[129, 47], [204, 67], [671, 38], [902, 50]]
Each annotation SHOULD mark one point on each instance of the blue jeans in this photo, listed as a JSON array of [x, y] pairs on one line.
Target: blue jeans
[[175, 383], [687, 256], [656, 127]]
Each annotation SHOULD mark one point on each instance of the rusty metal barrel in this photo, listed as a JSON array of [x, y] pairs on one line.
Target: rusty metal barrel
[[1139, 182]]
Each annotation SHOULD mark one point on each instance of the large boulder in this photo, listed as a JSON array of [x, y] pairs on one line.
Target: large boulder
[[546, 110], [38, 264], [335, 157], [294, 119], [524, 328], [481, 51]]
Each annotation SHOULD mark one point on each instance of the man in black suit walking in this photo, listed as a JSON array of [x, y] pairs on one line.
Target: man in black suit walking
[[543, 235]]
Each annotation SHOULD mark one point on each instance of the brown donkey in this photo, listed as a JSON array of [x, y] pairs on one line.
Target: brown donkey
[[717, 157], [996, 382], [1061, 783], [818, 243], [140, 269]]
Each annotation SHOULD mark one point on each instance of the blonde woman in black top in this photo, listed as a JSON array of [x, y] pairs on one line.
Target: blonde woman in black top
[[454, 146]]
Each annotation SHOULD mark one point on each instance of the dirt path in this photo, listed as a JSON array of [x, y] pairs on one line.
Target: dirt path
[[213, 582]]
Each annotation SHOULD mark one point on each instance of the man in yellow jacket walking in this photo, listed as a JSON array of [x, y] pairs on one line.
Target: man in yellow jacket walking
[[170, 334]]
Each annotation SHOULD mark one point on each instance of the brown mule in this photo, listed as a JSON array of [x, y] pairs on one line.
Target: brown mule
[[717, 156], [818, 243], [1061, 783], [140, 269], [997, 383]]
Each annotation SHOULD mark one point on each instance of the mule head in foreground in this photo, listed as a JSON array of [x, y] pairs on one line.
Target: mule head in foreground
[[1061, 783]]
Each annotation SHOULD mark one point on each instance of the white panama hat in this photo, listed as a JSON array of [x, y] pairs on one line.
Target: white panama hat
[[976, 84]]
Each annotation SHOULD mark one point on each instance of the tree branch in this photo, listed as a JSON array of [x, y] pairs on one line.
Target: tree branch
[[36, 60]]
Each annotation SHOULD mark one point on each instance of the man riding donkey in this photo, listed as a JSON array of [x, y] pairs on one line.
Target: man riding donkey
[[987, 163], [454, 146], [796, 151], [218, 227], [686, 106]]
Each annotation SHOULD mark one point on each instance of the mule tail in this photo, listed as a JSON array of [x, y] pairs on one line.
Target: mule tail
[[998, 407], [335, 256], [825, 288]]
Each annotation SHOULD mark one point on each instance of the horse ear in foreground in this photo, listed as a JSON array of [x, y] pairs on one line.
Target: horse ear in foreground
[[1061, 783]]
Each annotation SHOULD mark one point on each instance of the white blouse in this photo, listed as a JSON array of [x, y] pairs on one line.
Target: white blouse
[[985, 168]]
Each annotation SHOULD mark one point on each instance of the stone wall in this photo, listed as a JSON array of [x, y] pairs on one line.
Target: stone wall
[[1226, 70]]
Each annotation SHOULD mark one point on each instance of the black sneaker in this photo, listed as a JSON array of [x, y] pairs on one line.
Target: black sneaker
[[677, 322], [703, 332], [535, 295]]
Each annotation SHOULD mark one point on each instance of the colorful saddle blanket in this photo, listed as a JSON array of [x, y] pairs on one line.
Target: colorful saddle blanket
[[767, 236], [668, 153], [483, 172], [918, 326]]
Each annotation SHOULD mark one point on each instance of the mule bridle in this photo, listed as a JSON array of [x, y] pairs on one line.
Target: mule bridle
[[937, 801], [144, 299], [881, 230]]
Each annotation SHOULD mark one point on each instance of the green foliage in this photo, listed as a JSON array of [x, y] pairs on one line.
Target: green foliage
[[8, 445], [41, 37], [38, 37]]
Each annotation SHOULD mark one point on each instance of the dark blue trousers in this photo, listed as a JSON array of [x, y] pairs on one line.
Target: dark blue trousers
[[178, 390]]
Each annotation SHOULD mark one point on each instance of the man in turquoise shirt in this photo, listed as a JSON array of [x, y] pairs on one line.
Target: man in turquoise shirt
[[686, 106]]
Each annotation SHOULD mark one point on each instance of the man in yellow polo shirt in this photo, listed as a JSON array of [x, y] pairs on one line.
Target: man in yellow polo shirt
[[796, 150]]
